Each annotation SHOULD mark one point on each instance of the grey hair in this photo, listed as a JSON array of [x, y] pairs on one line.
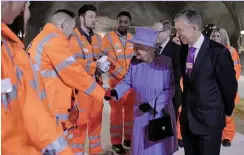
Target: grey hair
[[166, 24], [224, 36], [191, 16]]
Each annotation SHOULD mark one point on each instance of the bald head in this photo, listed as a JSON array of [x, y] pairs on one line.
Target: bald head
[[64, 20]]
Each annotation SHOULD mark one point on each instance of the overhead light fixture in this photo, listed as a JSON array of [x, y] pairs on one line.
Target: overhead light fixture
[[242, 32]]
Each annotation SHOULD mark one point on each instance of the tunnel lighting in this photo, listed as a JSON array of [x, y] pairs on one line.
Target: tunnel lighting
[[242, 32]]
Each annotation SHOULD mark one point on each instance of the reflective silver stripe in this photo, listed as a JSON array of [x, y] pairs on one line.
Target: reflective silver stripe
[[13, 93], [88, 65], [68, 61], [80, 44], [116, 135], [128, 124], [116, 126], [99, 40], [49, 73], [19, 73], [79, 153], [128, 56], [58, 145], [42, 94], [117, 71], [91, 88], [77, 146], [40, 49], [8, 49], [236, 62], [34, 83], [4, 100], [94, 137], [70, 136], [95, 145], [78, 55], [62, 117], [110, 38]]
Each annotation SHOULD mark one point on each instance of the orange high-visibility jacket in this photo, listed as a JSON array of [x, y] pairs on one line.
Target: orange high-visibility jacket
[[35, 124], [86, 53], [61, 73], [118, 55], [237, 66]]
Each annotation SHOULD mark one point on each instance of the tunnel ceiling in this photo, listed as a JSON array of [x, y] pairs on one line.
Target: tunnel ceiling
[[144, 13]]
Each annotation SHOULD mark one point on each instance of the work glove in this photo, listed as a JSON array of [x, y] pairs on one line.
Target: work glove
[[145, 107], [111, 93], [104, 67]]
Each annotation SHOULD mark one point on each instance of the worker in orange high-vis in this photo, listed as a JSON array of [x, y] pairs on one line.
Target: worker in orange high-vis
[[220, 35], [179, 137], [86, 46], [115, 44], [60, 71], [24, 114]]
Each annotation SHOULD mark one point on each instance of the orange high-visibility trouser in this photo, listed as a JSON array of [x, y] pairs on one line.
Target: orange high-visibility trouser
[[90, 117], [122, 117], [178, 125]]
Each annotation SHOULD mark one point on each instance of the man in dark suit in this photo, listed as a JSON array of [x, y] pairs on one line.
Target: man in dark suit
[[170, 49], [209, 85]]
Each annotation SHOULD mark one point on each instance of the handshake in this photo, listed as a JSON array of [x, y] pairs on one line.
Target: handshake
[[103, 64], [111, 93]]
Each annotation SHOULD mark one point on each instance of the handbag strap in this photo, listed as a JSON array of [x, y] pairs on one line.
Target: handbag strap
[[154, 109]]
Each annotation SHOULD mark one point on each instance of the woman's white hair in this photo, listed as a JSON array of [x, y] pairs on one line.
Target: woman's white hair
[[224, 36]]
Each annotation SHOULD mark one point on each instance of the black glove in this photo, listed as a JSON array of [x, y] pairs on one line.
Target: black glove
[[50, 152], [111, 93], [145, 107]]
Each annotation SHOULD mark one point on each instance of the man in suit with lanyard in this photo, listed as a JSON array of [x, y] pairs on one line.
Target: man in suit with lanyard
[[209, 85]]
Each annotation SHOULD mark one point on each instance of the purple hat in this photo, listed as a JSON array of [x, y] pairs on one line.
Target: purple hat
[[145, 36]]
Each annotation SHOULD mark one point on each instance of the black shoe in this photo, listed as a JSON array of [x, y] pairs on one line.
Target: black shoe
[[118, 149], [127, 143], [180, 142], [226, 143]]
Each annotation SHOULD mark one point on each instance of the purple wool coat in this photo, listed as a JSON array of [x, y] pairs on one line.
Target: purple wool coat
[[150, 81]]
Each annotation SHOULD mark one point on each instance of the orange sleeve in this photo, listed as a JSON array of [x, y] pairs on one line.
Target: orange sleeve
[[71, 72], [116, 70], [237, 63], [88, 65]]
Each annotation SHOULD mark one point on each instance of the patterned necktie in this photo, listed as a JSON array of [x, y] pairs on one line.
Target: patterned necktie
[[190, 60]]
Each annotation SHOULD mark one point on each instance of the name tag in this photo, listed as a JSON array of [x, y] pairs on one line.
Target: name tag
[[189, 65], [6, 86], [95, 46], [85, 50], [119, 50]]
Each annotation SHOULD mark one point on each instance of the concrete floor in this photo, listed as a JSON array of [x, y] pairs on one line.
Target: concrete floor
[[237, 147]]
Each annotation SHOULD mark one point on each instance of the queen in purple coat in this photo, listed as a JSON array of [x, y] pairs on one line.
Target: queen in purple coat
[[151, 77]]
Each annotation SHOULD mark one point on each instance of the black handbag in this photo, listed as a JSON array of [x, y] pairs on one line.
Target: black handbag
[[160, 128]]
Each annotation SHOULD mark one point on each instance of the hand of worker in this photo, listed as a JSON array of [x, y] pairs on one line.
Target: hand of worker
[[111, 93]]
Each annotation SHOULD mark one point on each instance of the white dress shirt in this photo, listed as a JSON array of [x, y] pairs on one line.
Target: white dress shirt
[[163, 45], [198, 45]]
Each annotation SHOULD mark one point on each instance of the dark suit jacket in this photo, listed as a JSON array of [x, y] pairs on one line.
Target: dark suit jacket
[[172, 51], [210, 91]]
